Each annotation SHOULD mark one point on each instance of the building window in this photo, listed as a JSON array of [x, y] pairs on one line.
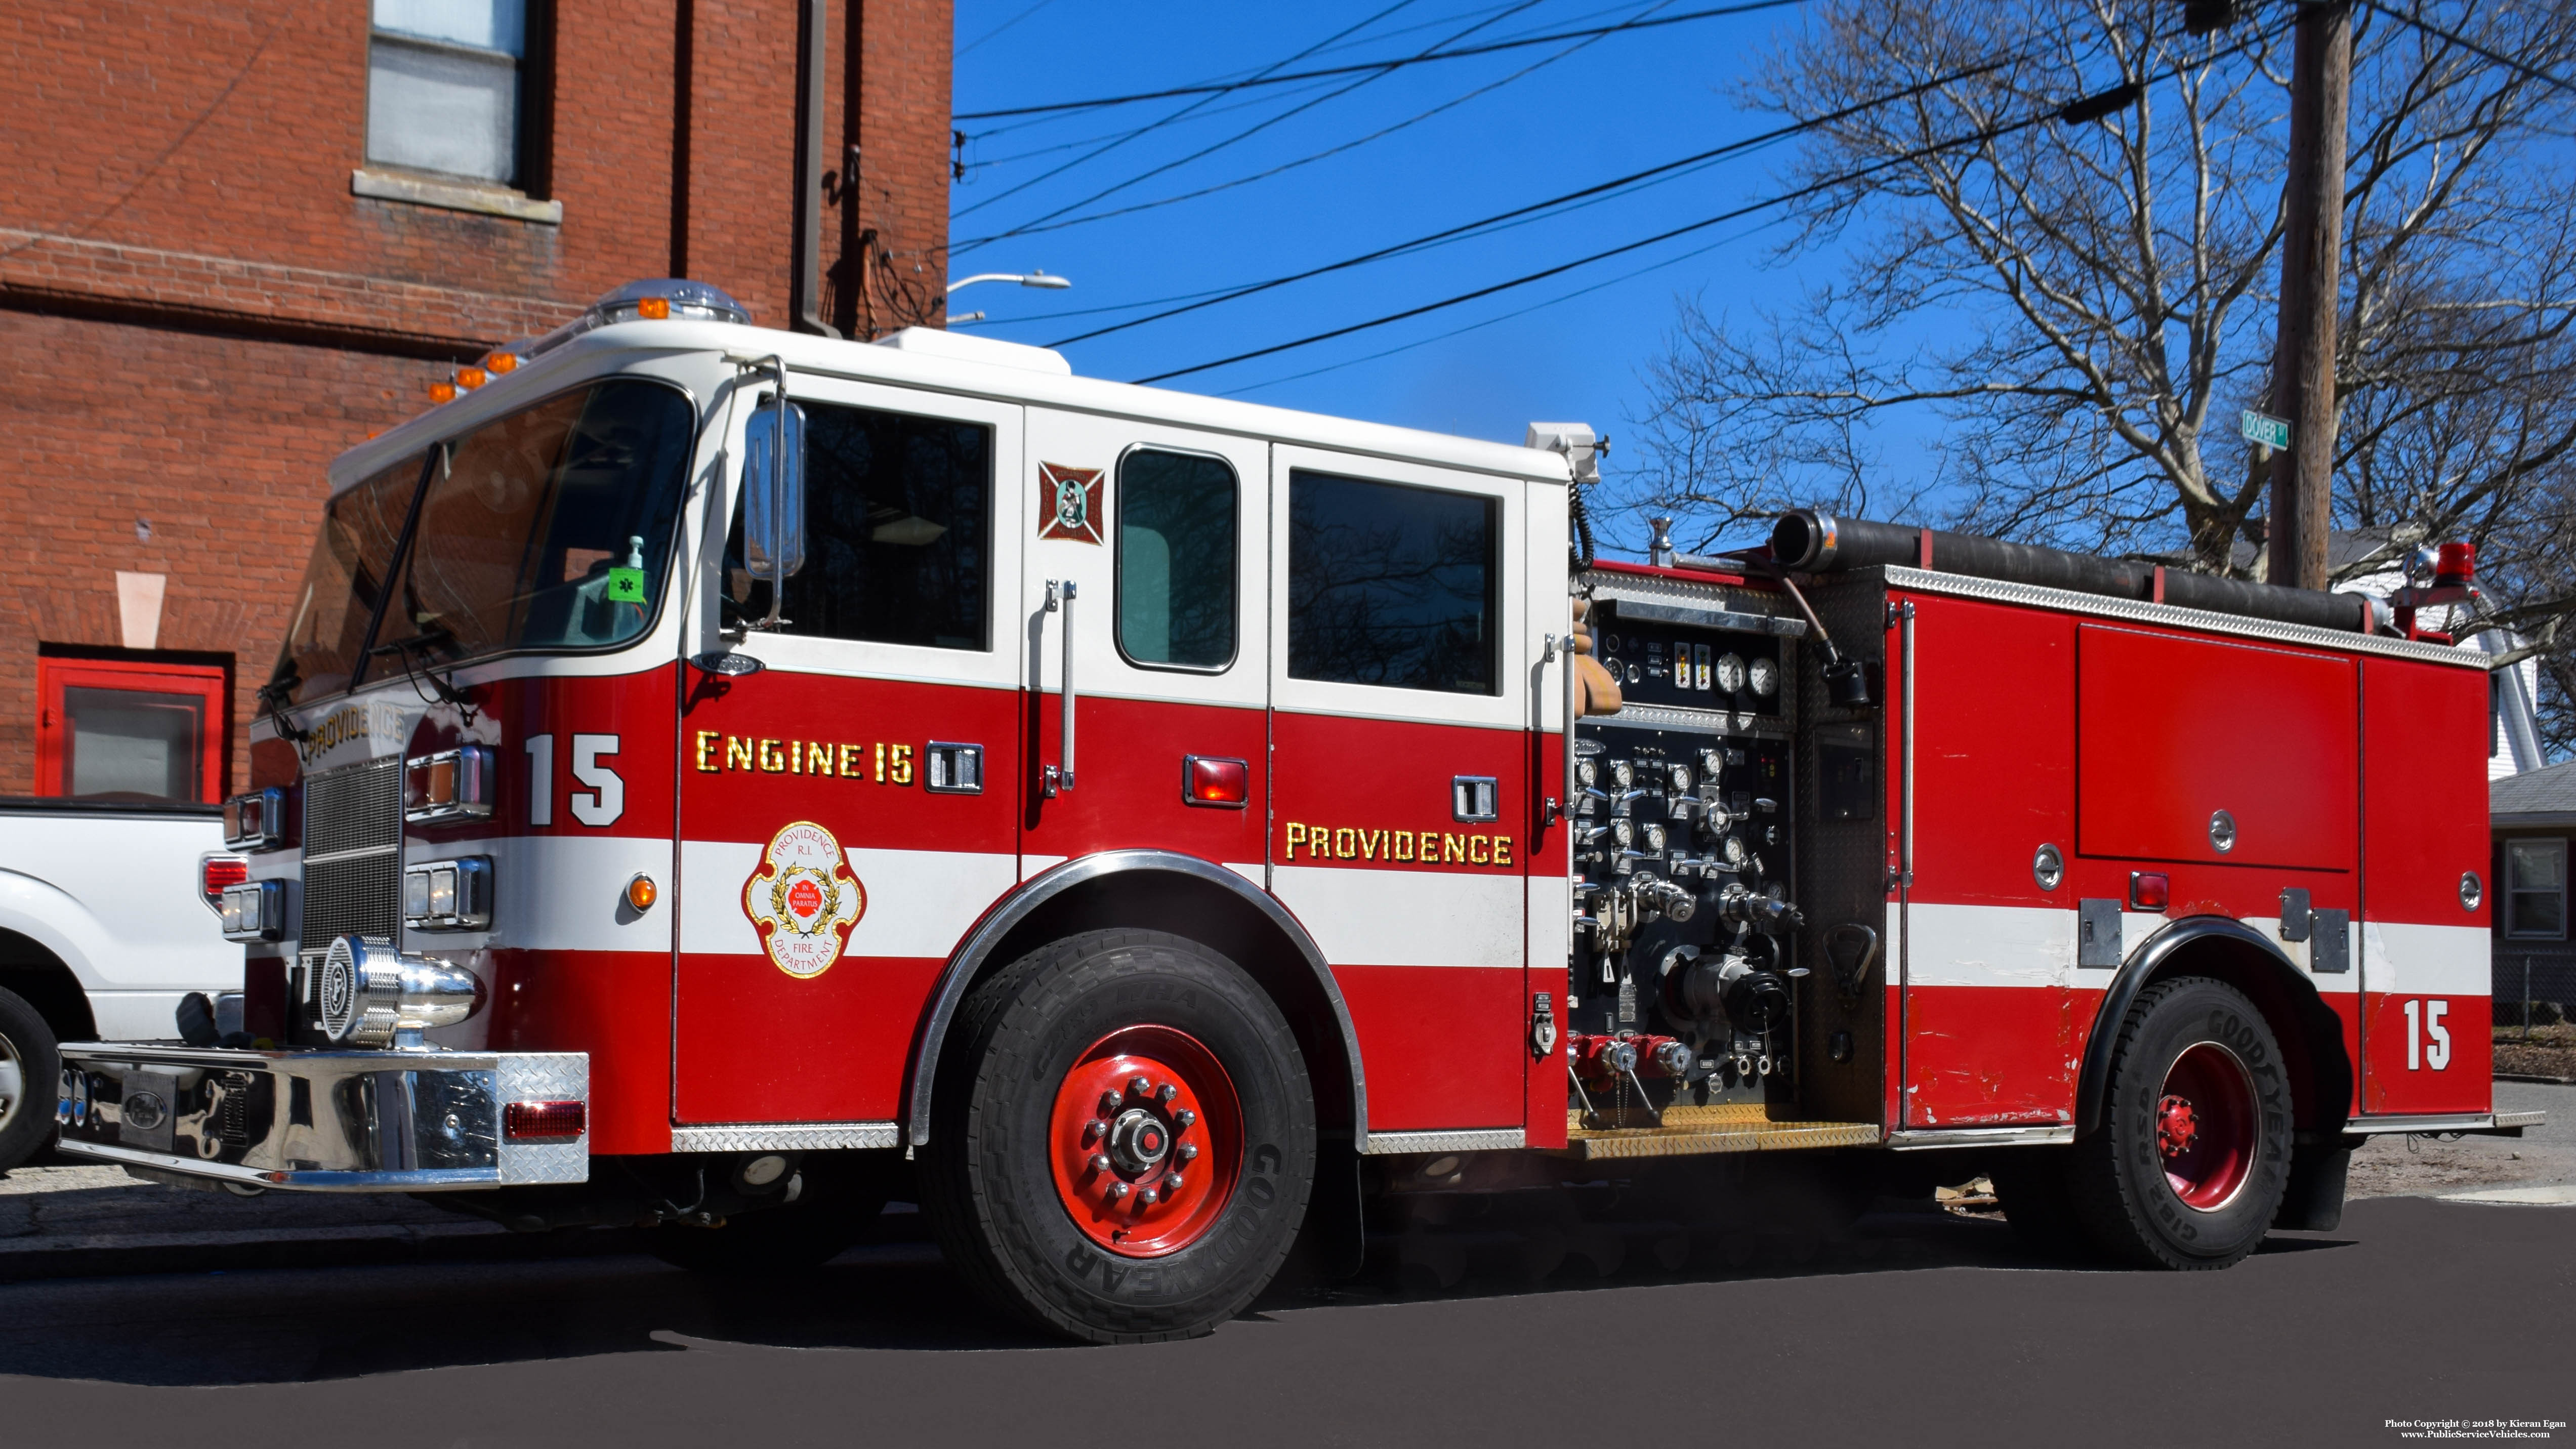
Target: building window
[[443, 87], [131, 729], [2535, 874], [1176, 560], [1391, 585]]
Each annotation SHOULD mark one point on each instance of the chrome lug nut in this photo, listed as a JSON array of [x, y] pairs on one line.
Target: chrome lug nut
[[1185, 1118], [1091, 1131], [1165, 1093], [1139, 1086], [1100, 1162], [1189, 1152], [1172, 1183], [1149, 1197], [1108, 1103], [1117, 1190]]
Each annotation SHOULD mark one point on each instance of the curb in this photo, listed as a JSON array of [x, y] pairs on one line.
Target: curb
[[2537, 1081], [126, 1256]]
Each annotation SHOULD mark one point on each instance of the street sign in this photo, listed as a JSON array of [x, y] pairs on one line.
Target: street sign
[[2264, 429]]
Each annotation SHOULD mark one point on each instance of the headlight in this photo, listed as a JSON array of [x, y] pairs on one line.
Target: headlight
[[449, 895], [1764, 676], [1730, 672], [254, 910], [449, 786], [256, 821]]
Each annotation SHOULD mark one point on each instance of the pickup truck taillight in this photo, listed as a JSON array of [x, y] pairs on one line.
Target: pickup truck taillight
[[214, 872]]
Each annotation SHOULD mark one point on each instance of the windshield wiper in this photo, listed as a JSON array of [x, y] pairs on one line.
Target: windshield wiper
[[273, 695], [446, 690]]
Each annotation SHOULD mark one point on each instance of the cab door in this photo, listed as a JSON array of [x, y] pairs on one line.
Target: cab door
[[847, 801], [1401, 829], [1141, 538]]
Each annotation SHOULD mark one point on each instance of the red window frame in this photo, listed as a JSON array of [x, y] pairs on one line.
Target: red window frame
[[146, 676]]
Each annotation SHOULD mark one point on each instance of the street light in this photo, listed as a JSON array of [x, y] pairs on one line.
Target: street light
[[1033, 279]]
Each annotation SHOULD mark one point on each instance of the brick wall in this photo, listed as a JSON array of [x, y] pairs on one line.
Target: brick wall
[[200, 314]]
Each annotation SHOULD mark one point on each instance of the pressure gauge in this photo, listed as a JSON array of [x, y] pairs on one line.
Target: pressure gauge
[[1585, 774], [1735, 851], [1709, 761], [1681, 777], [1764, 677], [1623, 775], [1623, 833], [1730, 673], [1654, 840], [1776, 891]]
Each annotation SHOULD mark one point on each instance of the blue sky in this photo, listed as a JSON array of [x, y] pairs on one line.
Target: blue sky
[[1581, 113]]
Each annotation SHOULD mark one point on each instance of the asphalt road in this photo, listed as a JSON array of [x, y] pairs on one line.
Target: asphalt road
[[1923, 1329]]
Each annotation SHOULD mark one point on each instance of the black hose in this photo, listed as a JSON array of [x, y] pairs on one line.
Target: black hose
[[1582, 527], [1811, 541]]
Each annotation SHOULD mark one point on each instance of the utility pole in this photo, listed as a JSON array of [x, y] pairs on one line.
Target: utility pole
[[2303, 363]]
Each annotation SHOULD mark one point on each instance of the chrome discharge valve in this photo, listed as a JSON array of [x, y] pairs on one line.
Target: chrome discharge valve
[[372, 995]]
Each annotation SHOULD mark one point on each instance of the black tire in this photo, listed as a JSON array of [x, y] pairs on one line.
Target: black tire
[[2118, 1176], [31, 1074], [989, 1183], [773, 1240], [2032, 1184]]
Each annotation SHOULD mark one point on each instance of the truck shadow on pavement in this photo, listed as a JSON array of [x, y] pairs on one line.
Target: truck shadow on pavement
[[291, 1325]]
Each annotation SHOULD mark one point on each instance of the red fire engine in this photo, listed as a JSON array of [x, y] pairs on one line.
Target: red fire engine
[[719, 778]]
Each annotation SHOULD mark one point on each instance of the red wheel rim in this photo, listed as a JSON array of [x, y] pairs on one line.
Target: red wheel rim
[[2206, 1126], [1146, 1141]]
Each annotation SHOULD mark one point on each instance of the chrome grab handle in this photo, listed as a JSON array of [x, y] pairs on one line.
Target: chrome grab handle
[[777, 539], [1059, 776]]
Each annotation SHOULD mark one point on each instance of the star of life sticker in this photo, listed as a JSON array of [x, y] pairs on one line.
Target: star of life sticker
[[803, 900], [1069, 503]]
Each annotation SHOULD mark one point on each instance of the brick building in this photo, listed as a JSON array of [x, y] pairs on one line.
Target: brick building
[[237, 239]]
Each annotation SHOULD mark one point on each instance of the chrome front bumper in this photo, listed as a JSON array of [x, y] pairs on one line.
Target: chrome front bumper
[[323, 1121]]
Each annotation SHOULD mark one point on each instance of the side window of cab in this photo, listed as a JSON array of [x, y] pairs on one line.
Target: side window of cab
[[1179, 526]]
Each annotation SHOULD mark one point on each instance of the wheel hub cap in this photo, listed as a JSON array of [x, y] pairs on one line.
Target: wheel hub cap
[[1145, 1141], [2208, 1127], [2175, 1126]]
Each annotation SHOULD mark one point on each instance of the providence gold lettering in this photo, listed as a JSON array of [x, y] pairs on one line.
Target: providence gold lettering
[[1310, 842], [714, 753]]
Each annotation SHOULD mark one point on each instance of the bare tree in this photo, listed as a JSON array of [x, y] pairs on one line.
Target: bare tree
[[2066, 316]]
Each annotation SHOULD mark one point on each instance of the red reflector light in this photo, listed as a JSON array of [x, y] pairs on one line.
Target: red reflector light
[[2149, 890], [219, 871], [1209, 781], [544, 1121], [2456, 563]]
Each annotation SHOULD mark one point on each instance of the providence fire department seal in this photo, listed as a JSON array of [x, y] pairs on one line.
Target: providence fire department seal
[[803, 900]]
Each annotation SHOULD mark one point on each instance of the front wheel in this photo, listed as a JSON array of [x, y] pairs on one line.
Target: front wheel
[[1123, 1140], [30, 1075], [2193, 1153]]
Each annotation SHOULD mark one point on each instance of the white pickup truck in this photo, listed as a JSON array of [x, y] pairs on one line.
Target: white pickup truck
[[105, 924]]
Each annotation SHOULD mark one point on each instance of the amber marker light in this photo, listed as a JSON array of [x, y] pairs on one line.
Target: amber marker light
[[501, 362], [655, 309], [440, 392], [641, 893], [470, 378]]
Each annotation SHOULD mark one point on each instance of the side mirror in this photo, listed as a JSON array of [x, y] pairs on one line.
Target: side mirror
[[773, 498]]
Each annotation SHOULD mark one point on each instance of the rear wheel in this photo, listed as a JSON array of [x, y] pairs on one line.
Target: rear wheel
[[1124, 1139], [2193, 1153], [31, 1073]]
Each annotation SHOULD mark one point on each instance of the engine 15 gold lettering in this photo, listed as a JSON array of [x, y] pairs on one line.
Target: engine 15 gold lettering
[[883, 764]]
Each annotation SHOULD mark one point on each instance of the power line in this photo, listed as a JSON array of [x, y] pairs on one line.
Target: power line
[[1307, 160], [1984, 134], [2471, 46], [1616, 183], [1256, 79], [1396, 64], [1255, 129], [998, 29]]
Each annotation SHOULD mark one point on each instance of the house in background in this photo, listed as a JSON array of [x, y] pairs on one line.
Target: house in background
[[2533, 817]]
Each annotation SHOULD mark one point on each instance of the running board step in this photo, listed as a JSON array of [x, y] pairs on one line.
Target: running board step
[[1729, 1127]]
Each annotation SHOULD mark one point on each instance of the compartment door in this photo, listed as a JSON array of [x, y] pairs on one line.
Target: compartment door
[[848, 792]]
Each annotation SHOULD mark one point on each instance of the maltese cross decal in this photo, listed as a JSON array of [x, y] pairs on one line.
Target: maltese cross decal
[[1069, 502]]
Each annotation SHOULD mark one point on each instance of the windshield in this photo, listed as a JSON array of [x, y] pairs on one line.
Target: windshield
[[547, 529]]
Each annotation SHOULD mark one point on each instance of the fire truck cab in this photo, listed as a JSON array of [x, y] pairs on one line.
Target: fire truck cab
[[717, 778]]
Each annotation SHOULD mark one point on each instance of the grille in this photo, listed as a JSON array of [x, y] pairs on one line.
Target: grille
[[352, 852]]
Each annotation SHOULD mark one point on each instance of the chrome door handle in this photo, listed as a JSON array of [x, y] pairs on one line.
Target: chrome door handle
[[1059, 776]]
